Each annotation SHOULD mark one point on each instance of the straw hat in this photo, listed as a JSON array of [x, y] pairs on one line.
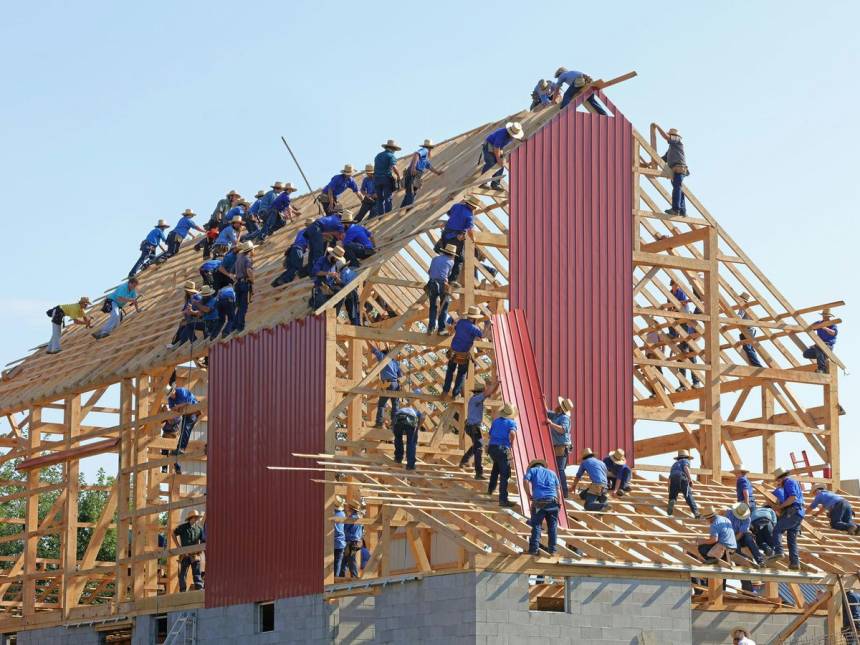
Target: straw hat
[[683, 454], [514, 129], [744, 296], [347, 170], [473, 201], [428, 143], [565, 404], [260, 193], [84, 300], [825, 313], [188, 212], [508, 411], [368, 168], [588, 452], [190, 286], [339, 502], [337, 251], [449, 249], [391, 144], [308, 221], [536, 462], [819, 486], [543, 84], [478, 387], [289, 188], [617, 456], [741, 510], [245, 247], [560, 71], [278, 186], [708, 512], [243, 202], [346, 216], [192, 513], [354, 503], [474, 312], [232, 193], [779, 473], [162, 224], [740, 469], [206, 290], [674, 133]]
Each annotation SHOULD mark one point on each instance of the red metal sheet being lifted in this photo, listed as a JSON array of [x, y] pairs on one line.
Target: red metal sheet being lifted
[[266, 402], [571, 256], [520, 383]]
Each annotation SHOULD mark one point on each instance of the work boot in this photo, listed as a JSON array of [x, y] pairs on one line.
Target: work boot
[[774, 556], [794, 566], [507, 504], [670, 508], [671, 211], [480, 477], [681, 388]]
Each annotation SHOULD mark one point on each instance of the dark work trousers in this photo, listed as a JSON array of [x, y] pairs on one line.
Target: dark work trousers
[[501, 472], [763, 530], [749, 350], [394, 386], [226, 317], [384, 191], [789, 522], [293, 265], [206, 276], [748, 540], [367, 205], [244, 288], [679, 484], [220, 280], [410, 434], [815, 353], [544, 510], [592, 501], [147, 255], [189, 562], [489, 162], [410, 188], [187, 331], [561, 464], [349, 562], [571, 92], [679, 202], [476, 450], [623, 473], [356, 252], [461, 370], [338, 561], [704, 549], [316, 244], [173, 243], [353, 311], [439, 302], [842, 516]]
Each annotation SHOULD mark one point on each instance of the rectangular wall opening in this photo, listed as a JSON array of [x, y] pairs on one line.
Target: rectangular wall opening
[[265, 617], [547, 593]]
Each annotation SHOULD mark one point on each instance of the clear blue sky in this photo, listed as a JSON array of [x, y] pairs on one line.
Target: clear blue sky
[[117, 114]]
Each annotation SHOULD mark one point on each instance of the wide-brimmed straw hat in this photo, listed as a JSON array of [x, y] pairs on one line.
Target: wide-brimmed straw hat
[[84, 300], [348, 169], [819, 486], [741, 510], [346, 216], [231, 193], [474, 312], [162, 224], [565, 404], [337, 251], [278, 185], [308, 221], [356, 504], [369, 168], [188, 212], [428, 143], [473, 200], [560, 71], [740, 469], [391, 144], [779, 473], [588, 452], [449, 249], [683, 454], [617, 456], [190, 286], [515, 129], [260, 193], [192, 513], [673, 132], [508, 411], [708, 512], [536, 462], [206, 290], [245, 247], [478, 387], [289, 188], [825, 313], [744, 296], [339, 502]]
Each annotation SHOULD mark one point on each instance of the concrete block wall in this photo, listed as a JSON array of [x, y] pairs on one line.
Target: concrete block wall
[[60, 636], [715, 627]]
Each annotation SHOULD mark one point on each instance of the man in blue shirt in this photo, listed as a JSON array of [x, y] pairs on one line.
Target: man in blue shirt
[[252, 217], [385, 173], [407, 423], [418, 165], [339, 536], [827, 333], [239, 210], [228, 238], [191, 317], [350, 301], [618, 472], [743, 486], [225, 273], [226, 305], [763, 521], [148, 247], [721, 540], [461, 222], [838, 509], [503, 432], [739, 516], [177, 398], [326, 275], [493, 151], [357, 241], [577, 82], [747, 333], [336, 186], [681, 481], [180, 231], [459, 355], [543, 95], [390, 376], [280, 210], [117, 300], [208, 269], [790, 518], [594, 496], [368, 189], [268, 199], [354, 534], [474, 425], [558, 421], [208, 306], [294, 257], [542, 486], [323, 230], [438, 292]]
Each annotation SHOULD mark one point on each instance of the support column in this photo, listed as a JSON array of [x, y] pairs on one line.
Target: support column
[[69, 553], [831, 424], [124, 488], [330, 434], [711, 398], [31, 525]]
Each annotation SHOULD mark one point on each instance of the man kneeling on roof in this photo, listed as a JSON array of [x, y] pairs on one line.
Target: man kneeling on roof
[[76, 311], [838, 509], [114, 304], [326, 274], [619, 473], [542, 488], [721, 542], [594, 496], [739, 516], [763, 520]]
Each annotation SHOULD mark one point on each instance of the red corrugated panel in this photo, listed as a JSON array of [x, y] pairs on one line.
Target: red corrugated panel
[[266, 402], [518, 376], [571, 255]]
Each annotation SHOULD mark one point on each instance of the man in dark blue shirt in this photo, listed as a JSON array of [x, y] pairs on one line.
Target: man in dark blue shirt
[[460, 223], [681, 481], [318, 234], [542, 490], [326, 275], [493, 150], [419, 164], [459, 355], [438, 287], [280, 211], [790, 518], [148, 247], [337, 185], [354, 534], [177, 398], [368, 189], [385, 173], [180, 231], [827, 332], [294, 257], [390, 376], [503, 432], [407, 423], [618, 472], [357, 241]]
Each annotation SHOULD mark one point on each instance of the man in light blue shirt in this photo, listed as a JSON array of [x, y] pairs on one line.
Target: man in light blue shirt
[[390, 376], [721, 539], [121, 296], [180, 231], [558, 421], [577, 82], [594, 497], [418, 165], [153, 241], [437, 288], [838, 509], [339, 536], [474, 424], [542, 487]]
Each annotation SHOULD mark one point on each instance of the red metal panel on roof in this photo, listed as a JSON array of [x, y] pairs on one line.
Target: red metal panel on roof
[[571, 248], [518, 376], [266, 402]]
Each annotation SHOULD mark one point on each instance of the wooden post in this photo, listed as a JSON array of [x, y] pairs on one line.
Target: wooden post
[[768, 439], [69, 555], [831, 425], [124, 488], [31, 520], [138, 523], [711, 400], [330, 431], [834, 615]]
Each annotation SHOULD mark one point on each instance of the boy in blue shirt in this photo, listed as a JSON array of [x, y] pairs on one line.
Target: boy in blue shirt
[[437, 287], [838, 509], [619, 473], [336, 186], [208, 269], [542, 490], [681, 481], [594, 497], [558, 421], [153, 241], [459, 356], [474, 424], [827, 333], [357, 241], [739, 516], [493, 151], [503, 432], [294, 257], [226, 305], [789, 520], [721, 540], [460, 223], [418, 165]]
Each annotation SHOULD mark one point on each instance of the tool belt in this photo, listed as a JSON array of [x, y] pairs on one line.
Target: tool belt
[[562, 450], [107, 305], [458, 358], [543, 503], [596, 489], [56, 314], [352, 547], [680, 169], [415, 179]]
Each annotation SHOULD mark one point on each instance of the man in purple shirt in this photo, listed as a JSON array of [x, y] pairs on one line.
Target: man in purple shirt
[[827, 333], [493, 151], [459, 356]]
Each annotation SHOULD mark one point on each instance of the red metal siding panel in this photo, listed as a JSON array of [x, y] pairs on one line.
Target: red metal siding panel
[[518, 376], [571, 253], [266, 402]]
